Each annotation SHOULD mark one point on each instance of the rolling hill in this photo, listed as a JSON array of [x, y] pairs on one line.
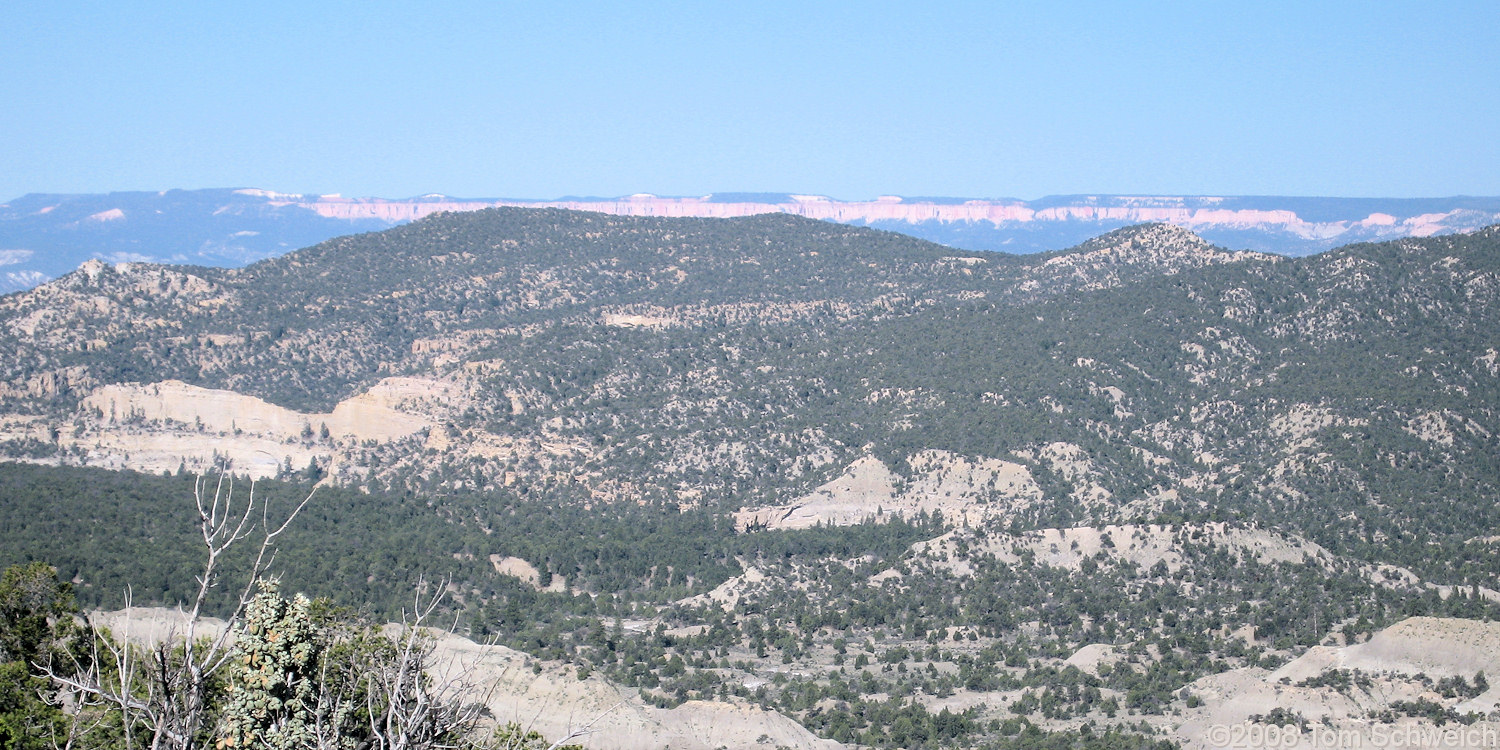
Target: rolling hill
[[43, 236], [906, 494]]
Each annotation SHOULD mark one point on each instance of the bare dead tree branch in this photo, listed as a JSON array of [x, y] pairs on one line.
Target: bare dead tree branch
[[586, 729], [161, 689], [414, 704], [391, 691]]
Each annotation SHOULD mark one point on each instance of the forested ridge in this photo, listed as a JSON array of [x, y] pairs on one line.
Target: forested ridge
[[1217, 460]]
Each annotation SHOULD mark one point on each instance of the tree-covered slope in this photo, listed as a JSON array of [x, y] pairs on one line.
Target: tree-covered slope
[[586, 357], [1134, 471]]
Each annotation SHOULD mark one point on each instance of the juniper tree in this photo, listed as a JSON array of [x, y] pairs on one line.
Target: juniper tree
[[273, 689]]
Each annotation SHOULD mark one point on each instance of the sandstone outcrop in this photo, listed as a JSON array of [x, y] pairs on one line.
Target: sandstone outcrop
[[157, 427], [555, 702], [1399, 662], [960, 488]]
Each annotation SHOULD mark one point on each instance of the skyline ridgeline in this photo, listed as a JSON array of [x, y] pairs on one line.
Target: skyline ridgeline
[[43, 236]]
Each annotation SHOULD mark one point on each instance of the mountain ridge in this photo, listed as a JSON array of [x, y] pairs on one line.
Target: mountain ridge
[[465, 304], [907, 495], [45, 235]]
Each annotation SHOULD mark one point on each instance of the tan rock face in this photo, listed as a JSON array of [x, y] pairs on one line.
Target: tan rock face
[[959, 487], [176, 401], [1437, 646], [518, 568], [727, 595], [555, 702], [621, 320], [1395, 660], [394, 408], [250, 455], [160, 426], [390, 410]]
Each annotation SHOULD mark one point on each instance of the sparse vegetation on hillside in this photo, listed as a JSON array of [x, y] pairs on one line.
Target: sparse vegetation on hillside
[[1146, 461]]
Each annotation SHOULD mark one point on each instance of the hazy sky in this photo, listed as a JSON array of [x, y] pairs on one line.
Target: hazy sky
[[853, 100]]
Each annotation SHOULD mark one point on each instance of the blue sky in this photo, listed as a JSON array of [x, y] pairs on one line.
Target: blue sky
[[853, 100]]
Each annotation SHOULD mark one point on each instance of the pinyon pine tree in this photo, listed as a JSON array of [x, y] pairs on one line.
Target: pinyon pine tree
[[273, 688]]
